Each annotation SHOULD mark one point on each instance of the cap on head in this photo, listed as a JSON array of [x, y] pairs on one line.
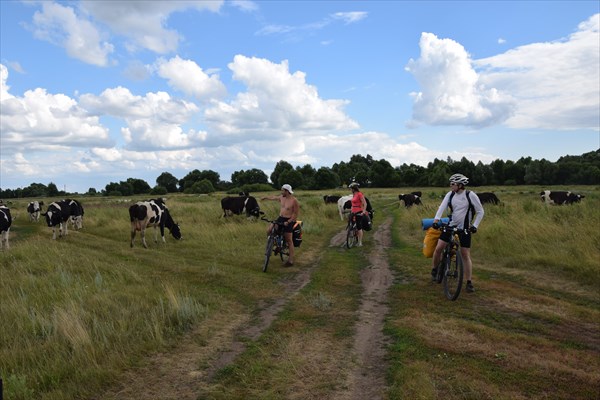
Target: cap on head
[[288, 188], [459, 178], [354, 185]]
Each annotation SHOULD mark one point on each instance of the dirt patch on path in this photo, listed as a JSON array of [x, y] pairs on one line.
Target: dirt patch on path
[[187, 369], [367, 379]]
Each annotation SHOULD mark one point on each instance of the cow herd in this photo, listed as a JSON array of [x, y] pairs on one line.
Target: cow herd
[[154, 213]]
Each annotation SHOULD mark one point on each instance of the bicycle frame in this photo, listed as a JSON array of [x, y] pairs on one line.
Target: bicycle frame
[[276, 243], [450, 269]]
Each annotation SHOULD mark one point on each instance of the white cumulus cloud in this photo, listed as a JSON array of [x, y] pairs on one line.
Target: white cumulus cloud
[[154, 121], [144, 23], [451, 91], [557, 83], [61, 26], [276, 102], [189, 78]]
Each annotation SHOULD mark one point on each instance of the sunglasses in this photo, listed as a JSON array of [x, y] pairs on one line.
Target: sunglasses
[[453, 184]]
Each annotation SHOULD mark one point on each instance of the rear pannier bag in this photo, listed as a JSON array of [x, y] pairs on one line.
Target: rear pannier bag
[[297, 234], [366, 222], [430, 241]]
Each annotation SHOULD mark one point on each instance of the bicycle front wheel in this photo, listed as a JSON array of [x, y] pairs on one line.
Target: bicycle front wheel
[[268, 252], [351, 237], [453, 276]]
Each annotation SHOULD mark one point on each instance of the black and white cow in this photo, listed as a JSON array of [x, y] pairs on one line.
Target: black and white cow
[[57, 214], [76, 217], [240, 204], [488, 197], [410, 199], [560, 197], [345, 205], [152, 213], [34, 209], [5, 223], [331, 199]]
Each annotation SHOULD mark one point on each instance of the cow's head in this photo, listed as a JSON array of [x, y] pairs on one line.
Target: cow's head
[[53, 218], [252, 207], [254, 212], [575, 198], [175, 231]]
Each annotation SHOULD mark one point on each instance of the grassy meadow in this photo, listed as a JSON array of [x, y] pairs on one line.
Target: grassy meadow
[[81, 311]]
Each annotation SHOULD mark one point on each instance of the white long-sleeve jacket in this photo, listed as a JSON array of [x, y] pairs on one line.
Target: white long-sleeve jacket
[[460, 206]]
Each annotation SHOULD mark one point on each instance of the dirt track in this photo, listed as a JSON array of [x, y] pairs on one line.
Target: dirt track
[[178, 373]]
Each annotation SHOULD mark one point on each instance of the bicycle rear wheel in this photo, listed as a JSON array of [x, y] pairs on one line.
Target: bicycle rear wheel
[[453, 276], [284, 252], [268, 252]]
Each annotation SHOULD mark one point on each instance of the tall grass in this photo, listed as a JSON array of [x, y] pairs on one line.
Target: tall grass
[[78, 311]]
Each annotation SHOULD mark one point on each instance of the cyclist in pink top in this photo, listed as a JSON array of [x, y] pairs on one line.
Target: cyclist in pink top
[[359, 206]]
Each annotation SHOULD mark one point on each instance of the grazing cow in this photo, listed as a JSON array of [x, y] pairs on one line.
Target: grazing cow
[[57, 214], [409, 199], [560, 197], [331, 199], [152, 213], [76, 217], [488, 197], [34, 209], [238, 205], [345, 205], [5, 222]]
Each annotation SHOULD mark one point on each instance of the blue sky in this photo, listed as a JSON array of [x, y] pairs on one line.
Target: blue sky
[[94, 92]]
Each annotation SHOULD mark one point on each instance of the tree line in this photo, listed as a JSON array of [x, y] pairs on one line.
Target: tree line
[[567, 170]]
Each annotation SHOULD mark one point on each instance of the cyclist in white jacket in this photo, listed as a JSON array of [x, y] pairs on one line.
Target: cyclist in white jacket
[[463, 209]]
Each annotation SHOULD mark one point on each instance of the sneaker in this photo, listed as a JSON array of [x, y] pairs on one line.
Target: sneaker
[[288, 264], [470, 288], [359, 244]]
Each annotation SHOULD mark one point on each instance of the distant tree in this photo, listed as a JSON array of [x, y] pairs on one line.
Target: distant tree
[[240, 178], [52, 190], [203, 187], [168, 181], [498, 170], [382, 174], [291, 177], [188, 180], [35, 190], [139, 186], [308, 176], [325, 178], [439, 172], [197, 176], [119, 189], [158, 190], [210, 175], [92, 192], [280, 167]]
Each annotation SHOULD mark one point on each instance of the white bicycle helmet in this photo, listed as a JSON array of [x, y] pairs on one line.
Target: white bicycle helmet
[[459, 178], [353, 185]]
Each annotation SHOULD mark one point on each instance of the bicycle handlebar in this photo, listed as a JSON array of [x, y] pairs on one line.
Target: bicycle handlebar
[[446, 227], [275, 221]]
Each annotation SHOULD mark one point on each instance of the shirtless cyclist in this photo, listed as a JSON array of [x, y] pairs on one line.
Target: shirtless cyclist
[[288, 214]]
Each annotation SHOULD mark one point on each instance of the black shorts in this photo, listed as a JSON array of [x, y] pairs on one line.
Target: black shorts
[[289, 228], [465, 238]]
